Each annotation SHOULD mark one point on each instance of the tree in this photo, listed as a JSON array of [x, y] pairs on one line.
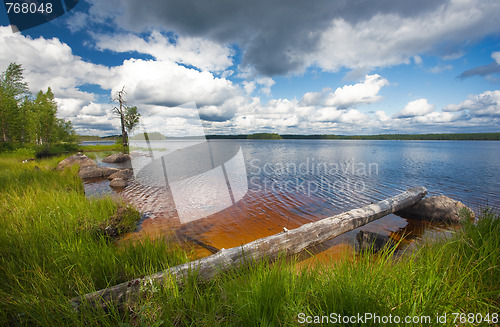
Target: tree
[[120, 111], [12, 91], [132, 117], [129, 117], [45, 117], [24, 119]]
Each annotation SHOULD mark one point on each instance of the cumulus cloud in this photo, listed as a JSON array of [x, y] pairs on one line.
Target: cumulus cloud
[[350, 95], [49, 62], [314, 98], [415, 108], [486, 104], [168, 84]]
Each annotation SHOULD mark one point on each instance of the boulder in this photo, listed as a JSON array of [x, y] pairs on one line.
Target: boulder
[[96, 172], [373, 242], [116, 158], [124, 174], [77, 159], [436, 208], [118, 182]]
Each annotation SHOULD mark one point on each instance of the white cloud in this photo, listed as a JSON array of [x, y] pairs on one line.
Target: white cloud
[[350, 95], [313, 98], [49, 62], [496, 56], [166, 83], [435, 118], [486, 104], [382, 116], [249, 87], [93, 109], [390, 39], [266, 83], [418, 107], [194, 51], [69, 107]]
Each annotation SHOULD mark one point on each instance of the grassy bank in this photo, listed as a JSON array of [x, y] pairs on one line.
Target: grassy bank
[[53, 248], [53, 245]]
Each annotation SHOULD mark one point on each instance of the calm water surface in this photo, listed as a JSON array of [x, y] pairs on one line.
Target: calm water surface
[[292, 182]]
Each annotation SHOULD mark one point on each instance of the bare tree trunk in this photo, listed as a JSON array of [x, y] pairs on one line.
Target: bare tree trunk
[[268, 248]]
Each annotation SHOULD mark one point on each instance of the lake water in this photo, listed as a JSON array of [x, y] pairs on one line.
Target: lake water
[[292, 182]]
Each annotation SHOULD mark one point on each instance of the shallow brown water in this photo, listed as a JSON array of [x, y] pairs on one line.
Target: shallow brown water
[[270, 205], [256, 216]]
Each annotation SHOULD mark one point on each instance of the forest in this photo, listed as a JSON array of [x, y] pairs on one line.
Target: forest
[[28, 120]]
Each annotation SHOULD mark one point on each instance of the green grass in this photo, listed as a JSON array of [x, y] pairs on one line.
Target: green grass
[[458, 275], [52, 249]]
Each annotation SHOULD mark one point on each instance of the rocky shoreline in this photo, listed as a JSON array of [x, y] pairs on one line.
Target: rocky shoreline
[[119, 178]]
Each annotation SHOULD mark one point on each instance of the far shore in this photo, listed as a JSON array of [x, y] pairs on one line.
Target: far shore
[[275, 136]]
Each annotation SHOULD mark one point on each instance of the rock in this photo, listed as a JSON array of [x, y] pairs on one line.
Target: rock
[[116, 158], [373, 242], [95, 172], [436, 208], [118, 182], [124, 174], [77, 159]]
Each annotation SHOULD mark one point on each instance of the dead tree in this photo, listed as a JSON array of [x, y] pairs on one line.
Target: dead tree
[[288, 242]]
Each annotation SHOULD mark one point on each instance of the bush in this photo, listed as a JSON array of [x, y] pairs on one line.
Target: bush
[[55, 149]]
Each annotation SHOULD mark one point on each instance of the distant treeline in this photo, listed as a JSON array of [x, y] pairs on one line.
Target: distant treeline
[[457, 137], [275, 136], [90, 138]]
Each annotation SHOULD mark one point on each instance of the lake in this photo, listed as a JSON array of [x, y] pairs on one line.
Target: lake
[[292, 182]]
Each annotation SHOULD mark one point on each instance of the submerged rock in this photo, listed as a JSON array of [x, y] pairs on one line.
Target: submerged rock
[[96, 172], [124, 174], [116, 158], [373, 242], [77, 159], [118, 182], [436, 208]]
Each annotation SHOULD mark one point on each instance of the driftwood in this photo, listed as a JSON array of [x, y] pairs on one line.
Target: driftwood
[[269, 248]]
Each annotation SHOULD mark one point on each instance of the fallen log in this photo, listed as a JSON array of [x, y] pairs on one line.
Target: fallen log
[[269, 248]]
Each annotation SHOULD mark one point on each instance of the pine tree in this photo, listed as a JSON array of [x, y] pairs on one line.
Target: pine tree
[[12, 91]]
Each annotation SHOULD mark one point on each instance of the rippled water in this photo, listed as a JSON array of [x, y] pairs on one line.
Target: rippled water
[[292, 182]]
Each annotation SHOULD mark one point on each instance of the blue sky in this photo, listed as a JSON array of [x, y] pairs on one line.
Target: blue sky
[[293, 67]]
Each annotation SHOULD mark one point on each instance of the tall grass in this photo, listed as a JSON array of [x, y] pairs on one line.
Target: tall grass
[[456, 275], [51, 251]]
